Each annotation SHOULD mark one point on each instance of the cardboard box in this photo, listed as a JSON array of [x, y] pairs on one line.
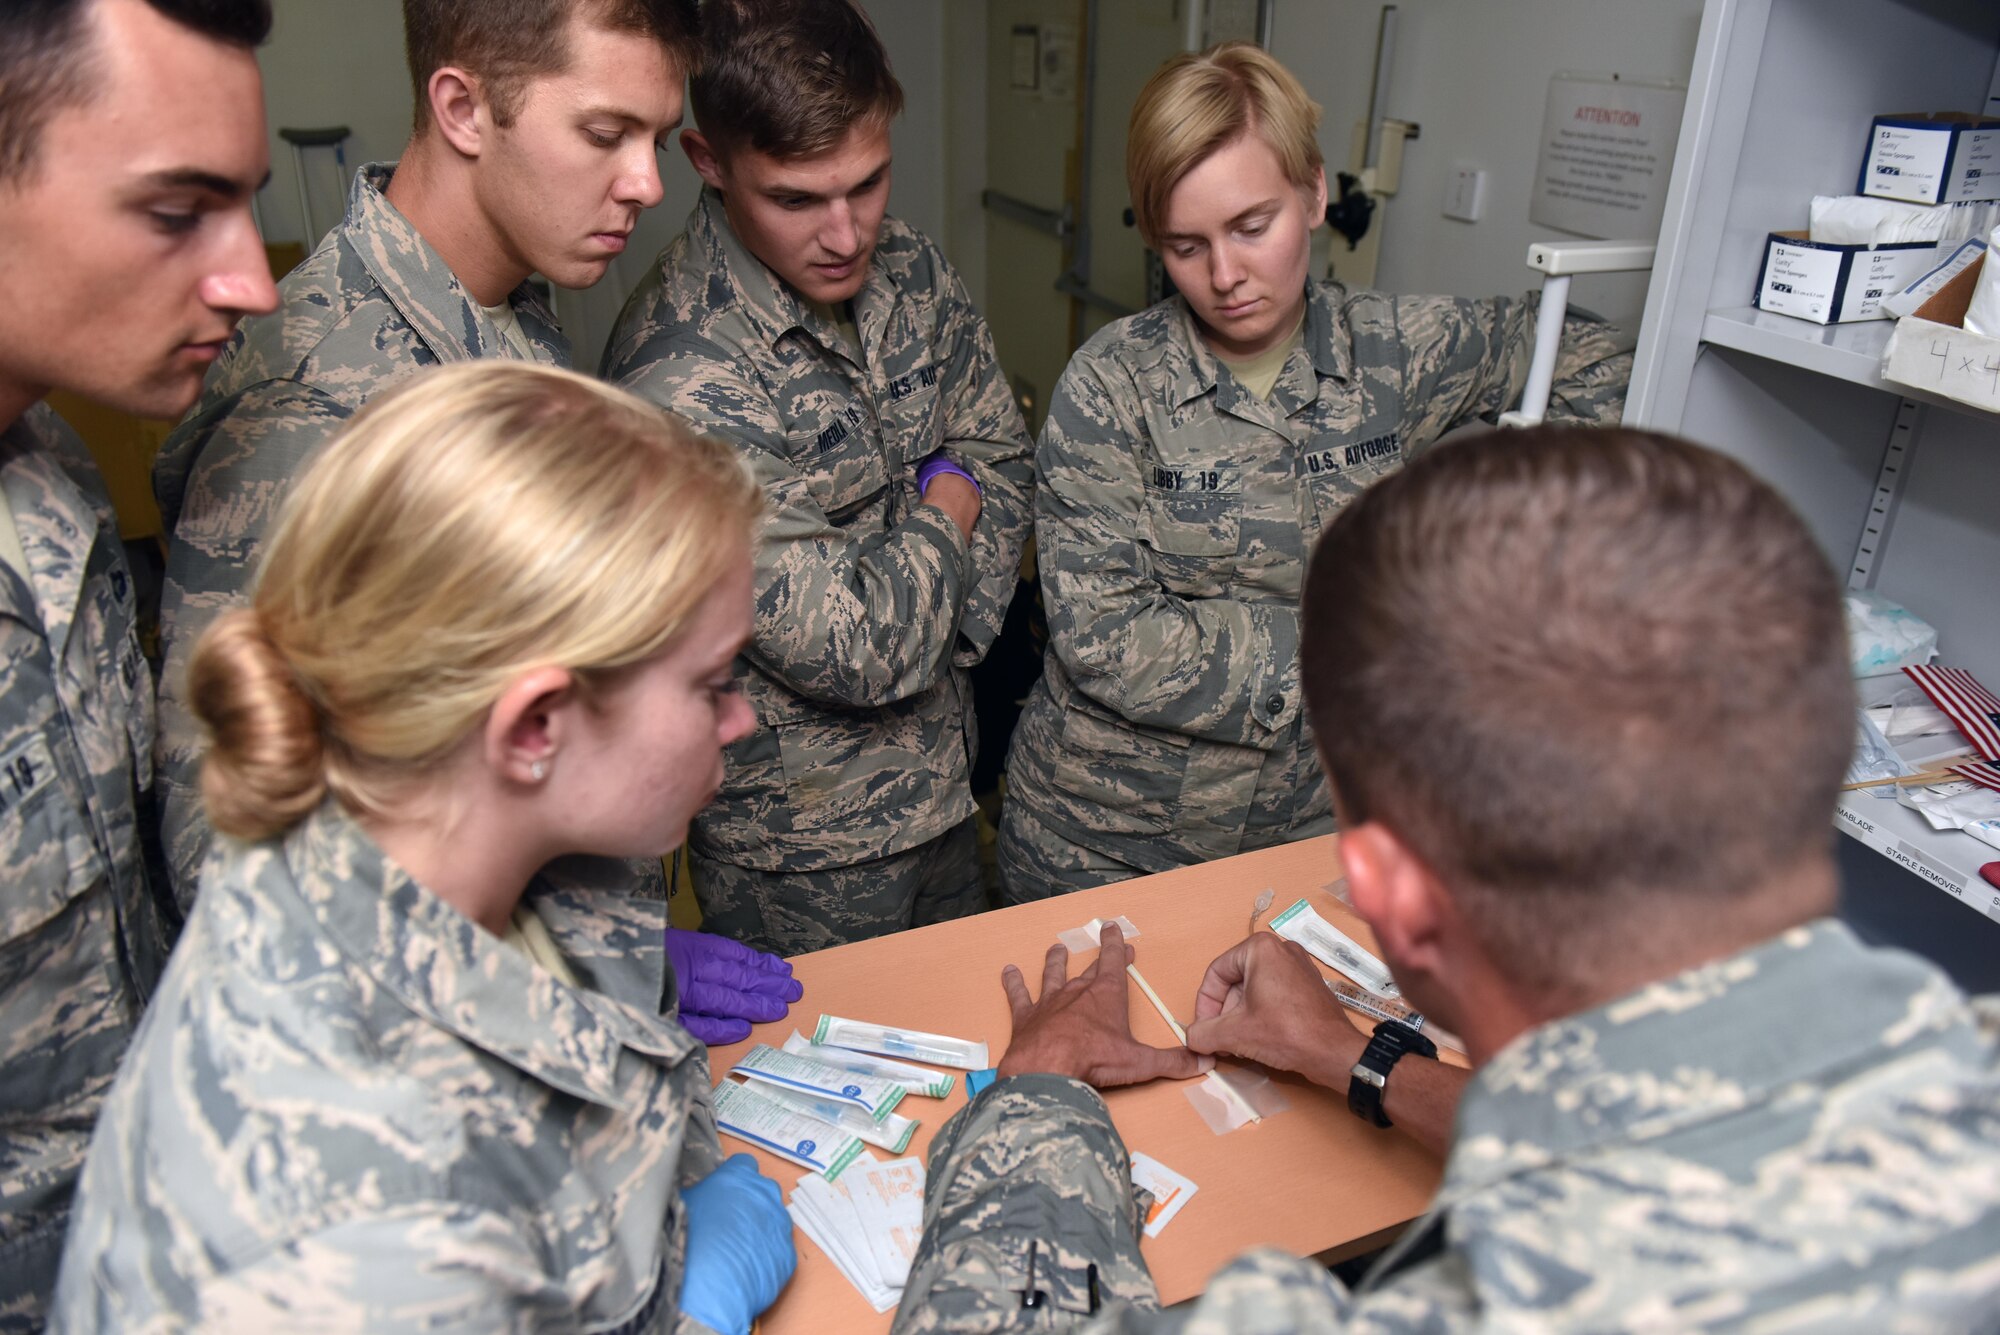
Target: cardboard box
[[1833, 284], [1942, 157], [1931, 351]]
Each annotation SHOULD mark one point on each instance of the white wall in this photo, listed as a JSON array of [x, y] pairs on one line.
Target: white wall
[[340, 62], [1474, 74]]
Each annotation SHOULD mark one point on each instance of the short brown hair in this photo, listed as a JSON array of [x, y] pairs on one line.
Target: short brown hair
[[45, 60], [1199, 101], [508, 42], [789, 78], [1596, 679]]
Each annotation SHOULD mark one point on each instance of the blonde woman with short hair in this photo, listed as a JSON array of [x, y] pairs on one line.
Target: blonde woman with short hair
[[407, 1066], [1192, 455]]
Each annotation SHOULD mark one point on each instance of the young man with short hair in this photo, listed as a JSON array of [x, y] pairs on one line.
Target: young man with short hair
[[1592, 702], [128, 253], [839, 351], [538, 128]]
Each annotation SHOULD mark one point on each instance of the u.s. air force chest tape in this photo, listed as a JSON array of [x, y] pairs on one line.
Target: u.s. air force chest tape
[[749, 1116], [870, 1095], [1373, 990]]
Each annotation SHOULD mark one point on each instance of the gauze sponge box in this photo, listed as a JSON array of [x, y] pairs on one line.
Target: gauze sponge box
[[1938, 157], [1829, 283]]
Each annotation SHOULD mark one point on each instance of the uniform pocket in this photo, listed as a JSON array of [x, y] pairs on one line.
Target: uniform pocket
[[1130, 775], [840, 460], [1192, 539], [54, 855], [848, 770]]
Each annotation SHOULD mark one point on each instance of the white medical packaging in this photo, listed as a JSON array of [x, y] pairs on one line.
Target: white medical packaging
[[1335, 949], [749, 1116], [888, 1131], [916, 1079], [938, 1049], [1932, 350], [1829, 283], [1936, 157], [869, 1095]]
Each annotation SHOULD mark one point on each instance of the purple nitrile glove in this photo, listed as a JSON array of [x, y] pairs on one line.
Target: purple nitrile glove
[[940, 462], [726, 986]]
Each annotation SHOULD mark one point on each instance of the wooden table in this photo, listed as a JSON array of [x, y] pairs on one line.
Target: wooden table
[[1311, 1180]]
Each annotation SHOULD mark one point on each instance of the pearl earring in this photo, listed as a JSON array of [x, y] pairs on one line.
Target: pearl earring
[[539, 770]]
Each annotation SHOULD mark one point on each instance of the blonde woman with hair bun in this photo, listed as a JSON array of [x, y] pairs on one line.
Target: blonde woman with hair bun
[[1192, 454], [408, 1065]]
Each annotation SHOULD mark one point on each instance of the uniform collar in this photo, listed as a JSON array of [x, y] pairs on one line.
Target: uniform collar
[[1195, 371], [449, 970], [424, 290], [770, 302], [1713, 1041], [57, 523]]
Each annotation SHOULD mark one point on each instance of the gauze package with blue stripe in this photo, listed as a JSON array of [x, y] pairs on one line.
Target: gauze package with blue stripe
[[749, 1116], [871, 1095]]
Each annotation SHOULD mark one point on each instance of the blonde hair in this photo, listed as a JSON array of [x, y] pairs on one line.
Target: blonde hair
[[467, 526], [1199, 101]]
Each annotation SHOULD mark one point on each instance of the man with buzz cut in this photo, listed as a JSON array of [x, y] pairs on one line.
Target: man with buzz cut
[[539, 125], [839, 351], [127, 253], [1583, 701]]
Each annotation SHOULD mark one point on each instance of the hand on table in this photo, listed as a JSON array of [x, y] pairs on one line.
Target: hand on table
[[1264, 1000], [739, 1246], [725, 986], [1081, 1027]]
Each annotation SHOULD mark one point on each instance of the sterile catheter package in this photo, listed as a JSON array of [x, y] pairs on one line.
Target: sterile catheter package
[[749, 1116], [914, 1044], [1335, 949], [888, 1131], [869, 1094], [916, 1079]]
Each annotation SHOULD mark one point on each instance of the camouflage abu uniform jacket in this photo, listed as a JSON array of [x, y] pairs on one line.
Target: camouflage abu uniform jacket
[[373, 305], [870, 606], [80, 943], [1174, 515], [351, 1107], [1803, 1135]]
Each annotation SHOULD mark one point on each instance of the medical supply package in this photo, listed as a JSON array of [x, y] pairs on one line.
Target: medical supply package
[[916, 1079], [872, 1096], [1169, 1190], [1335, 949], [889, 1131], [913, 1044], [1931, 349], [749, 1116], [868, 1223]]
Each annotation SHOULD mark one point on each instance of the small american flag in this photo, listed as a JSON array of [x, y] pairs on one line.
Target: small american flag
[[1971, 706], [1983, 773]]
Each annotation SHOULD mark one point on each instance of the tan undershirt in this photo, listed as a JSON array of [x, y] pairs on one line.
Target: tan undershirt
[[1259, 374], [510, 329], [526, 934], [841, 317]]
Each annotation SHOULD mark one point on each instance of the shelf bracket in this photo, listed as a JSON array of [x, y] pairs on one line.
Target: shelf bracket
[[1888, 496]]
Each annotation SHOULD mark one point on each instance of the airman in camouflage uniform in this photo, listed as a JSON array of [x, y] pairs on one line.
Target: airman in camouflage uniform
[[80, 942], [372, 306], [352, 1106], [1174, 515], [1805, 1135], [856, 784]]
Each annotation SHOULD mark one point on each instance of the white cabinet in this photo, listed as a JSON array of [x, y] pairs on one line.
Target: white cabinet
[[1904, 494]]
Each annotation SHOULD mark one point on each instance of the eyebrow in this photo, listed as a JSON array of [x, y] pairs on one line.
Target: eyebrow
[[1250, 212], [780, 190], [628, 117], [183, 178]]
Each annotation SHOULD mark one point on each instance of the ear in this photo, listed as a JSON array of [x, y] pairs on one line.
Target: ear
[[459, 108], [701, 155], [527, 725], [1398, 896], [1317, 216]]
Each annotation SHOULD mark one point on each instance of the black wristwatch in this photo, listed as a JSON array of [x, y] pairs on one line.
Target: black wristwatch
[[1369, 1079]]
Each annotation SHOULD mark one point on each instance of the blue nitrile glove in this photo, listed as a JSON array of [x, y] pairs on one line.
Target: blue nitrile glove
[[726, 986], [739, 1246]]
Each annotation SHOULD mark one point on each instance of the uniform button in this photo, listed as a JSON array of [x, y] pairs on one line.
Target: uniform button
[[1275, 705]]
